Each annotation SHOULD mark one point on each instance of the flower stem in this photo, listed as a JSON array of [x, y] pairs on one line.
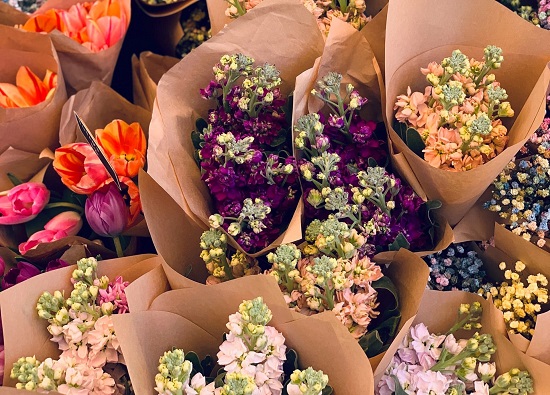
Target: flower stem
[[73, 206], [118, 246]]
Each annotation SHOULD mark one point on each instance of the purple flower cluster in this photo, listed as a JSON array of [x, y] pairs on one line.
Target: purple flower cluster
[[342, 178], [244, 152]]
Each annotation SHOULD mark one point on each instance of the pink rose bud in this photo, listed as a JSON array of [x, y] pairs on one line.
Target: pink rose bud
[[107, 212], [23, 203], [68, 221], [22, 272]]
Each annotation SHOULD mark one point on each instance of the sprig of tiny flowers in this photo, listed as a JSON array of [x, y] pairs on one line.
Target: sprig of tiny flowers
[[82, 327], [243, 152], [341, 177], [441, 364], [520, 196], [456, 268], [329, 273], [352, 12], [519, 302], [458, 115], [252, 357]]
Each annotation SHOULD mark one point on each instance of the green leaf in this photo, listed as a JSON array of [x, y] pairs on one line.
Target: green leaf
[[279, 140], [207, 365], [200, 125], [398, 389], [399, 242], [291, 363], [287, 108], [14, 180], [371, 343], [328, 390], [415, 142], [372, 162], [220, 378], [195, 360], [401, 129]]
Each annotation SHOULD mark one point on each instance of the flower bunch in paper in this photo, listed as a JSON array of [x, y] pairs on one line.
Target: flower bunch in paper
[[352, 12], [25, 270], [81, 325], [544, 14], [108, 211], [428, 363], [196, 28], [521, 299], [29, 90], [330, 271], [457, 267], [96, 25], [252, 359], [242, 150], [342, 174], [520, 196], [541, 135], [455, 124]]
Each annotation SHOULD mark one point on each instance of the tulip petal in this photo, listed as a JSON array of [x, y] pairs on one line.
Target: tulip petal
[[30, 86], [47, 22]]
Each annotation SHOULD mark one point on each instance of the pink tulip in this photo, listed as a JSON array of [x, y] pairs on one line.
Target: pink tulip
[[23, 203], [105, 32], [74, 18], [66, 224]]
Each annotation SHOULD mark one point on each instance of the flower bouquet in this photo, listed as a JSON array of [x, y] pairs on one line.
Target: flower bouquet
[[449, 355], [87, 36], [32, 92], [182, 84], [459, 190], [193, 328], [146, 73], [72, 314]]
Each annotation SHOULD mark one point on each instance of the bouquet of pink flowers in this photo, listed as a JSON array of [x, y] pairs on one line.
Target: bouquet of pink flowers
[[253, 357], [427, 363], [81, 325], [455, 123]]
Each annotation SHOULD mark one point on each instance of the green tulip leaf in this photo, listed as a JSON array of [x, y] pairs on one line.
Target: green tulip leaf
[[399, 242]]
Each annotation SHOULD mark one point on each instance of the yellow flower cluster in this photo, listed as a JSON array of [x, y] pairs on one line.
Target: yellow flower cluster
[[519, 303]]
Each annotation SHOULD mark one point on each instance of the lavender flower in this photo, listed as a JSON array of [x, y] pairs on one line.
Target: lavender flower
[[456, 268]]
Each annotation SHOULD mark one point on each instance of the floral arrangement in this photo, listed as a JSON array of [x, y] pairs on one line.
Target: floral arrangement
[[544, 14], [97, 26], [196, 28], [342, 178], [108, 211], [242, 152], [254, 360], [519, 303], [330, 272], [81, 325], [29, 90], [428, 363], [455, 124], [536, 12], [458, 267], [352, 12], [519, 196]]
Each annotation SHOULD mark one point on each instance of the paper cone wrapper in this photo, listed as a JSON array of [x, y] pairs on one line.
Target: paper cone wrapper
[[216, 14], [80, 65], [25, 334], [375, 33], [14, 391], [22, 164], [146, 74], [524, 76], [315, 338], [178, 104], [510, 248], [438, 311], [478, 223], [37, 126]]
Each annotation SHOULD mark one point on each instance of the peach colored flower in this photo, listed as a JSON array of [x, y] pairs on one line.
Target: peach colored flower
[[29, 90]]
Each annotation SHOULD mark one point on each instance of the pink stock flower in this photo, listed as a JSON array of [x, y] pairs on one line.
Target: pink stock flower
[[65, 224], [103, 343], [413, 108], [83, 379], [428, 382], [116, 295], [23, 203], [16, 275]]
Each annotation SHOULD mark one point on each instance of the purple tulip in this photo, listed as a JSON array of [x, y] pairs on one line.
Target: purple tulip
[[56, 264], [107, 212], [16, 275]]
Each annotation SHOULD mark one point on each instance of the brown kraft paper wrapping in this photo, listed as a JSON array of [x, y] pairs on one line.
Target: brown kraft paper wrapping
[[523, 75], [25, 334], [438, 311], [216, 14], [178, 104], [314, 337], [37, 126], [80, 65], [375, 33], [146, 74]]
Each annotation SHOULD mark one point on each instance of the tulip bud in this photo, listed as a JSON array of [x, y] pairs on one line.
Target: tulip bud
[[107, 212], [23, 203], [68, 221]]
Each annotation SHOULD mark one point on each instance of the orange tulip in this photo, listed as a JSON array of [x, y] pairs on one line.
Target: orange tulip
[[46, 22], [124, 145], [80, 168], [28, 90]]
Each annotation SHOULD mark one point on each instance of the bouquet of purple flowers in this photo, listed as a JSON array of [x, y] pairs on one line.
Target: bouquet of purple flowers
[[343, 178], [243, 150]]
